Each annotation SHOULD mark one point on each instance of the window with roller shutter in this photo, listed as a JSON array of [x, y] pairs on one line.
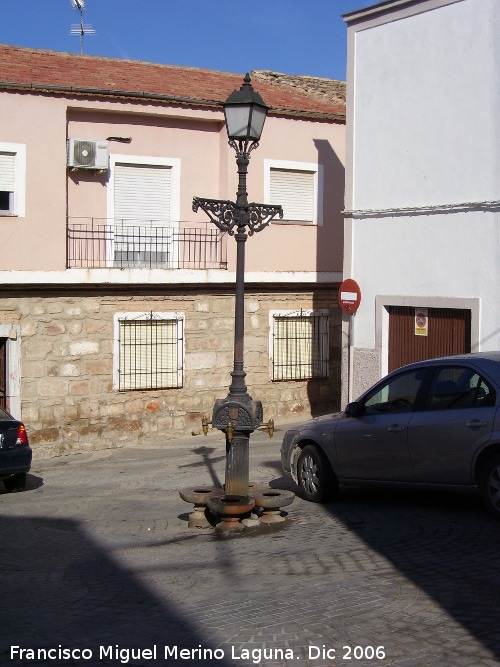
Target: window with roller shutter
[[7, 170], [143, 207], [12, 179], [143, 196], [297, 187], [294, 191]]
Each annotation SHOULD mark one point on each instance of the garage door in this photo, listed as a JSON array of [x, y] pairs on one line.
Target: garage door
[[446, 331]]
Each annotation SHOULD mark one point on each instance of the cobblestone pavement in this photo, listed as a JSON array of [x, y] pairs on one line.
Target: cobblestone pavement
[[99, 567]]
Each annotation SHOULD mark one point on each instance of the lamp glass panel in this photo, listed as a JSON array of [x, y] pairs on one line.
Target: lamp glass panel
[[237, 120], [257, 122]]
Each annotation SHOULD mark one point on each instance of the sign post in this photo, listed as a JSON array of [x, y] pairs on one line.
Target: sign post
[[349, 300]]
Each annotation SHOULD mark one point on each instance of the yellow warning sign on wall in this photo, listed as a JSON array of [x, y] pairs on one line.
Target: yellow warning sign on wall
[[421, 322]]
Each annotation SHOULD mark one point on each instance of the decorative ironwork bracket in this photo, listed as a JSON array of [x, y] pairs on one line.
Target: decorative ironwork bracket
[[243, 147], [223, 213], [226, 215], [260, 215]]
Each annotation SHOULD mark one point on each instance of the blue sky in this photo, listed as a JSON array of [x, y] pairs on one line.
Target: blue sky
[[290, 36]]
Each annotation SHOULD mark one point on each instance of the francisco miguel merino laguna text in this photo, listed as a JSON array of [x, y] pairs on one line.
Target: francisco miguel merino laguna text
[[124, 655]]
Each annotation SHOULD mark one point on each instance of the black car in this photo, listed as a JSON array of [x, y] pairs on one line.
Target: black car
[[15, 452]]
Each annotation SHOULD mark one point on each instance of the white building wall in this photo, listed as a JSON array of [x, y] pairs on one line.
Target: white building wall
[[423, 109], [438, 255], [426, 97]]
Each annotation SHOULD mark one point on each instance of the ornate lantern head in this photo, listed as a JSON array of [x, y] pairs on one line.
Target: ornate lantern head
[[245, 113]]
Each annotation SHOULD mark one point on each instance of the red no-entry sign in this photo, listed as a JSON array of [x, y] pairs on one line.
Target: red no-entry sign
[[349, 296]]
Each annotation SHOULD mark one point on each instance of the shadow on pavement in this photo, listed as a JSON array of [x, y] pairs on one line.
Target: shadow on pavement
[[445, 543], [60, 588], [208, 462], [32, 482]]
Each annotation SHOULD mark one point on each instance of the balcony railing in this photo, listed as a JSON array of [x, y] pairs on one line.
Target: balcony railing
[[148, 244]]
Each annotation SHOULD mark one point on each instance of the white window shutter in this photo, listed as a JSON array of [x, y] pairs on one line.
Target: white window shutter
[[7, 171], [294, 190], [143, 195]]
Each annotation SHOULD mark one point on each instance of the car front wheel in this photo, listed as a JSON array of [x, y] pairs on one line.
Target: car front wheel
[[315, 475], [16, 482], [490, 485]]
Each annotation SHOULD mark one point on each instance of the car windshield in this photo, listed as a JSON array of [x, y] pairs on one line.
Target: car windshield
[[396, 394]]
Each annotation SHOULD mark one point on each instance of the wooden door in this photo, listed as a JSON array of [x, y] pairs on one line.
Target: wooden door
[[447, 332]]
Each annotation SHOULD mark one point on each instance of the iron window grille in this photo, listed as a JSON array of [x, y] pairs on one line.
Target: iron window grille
[[300, 346], [150, 353], [96, 243]]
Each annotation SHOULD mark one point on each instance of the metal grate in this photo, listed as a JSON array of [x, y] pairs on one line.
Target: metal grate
[[123, 245], [151, 353], [300, 346]]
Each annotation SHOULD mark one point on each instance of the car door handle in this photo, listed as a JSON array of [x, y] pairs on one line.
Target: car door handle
[[475, 423], [396, 428]]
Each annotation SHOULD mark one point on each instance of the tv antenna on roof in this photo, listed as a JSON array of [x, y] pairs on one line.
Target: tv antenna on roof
[[84, 28]]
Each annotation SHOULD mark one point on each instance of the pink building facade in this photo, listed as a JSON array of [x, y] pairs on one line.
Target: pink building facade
[[116, 300]]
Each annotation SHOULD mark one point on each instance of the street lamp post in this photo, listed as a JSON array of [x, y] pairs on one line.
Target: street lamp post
[[238, 415]]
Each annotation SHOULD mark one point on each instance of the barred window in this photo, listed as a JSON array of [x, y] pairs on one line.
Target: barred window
[[299, 345], [150, 352]]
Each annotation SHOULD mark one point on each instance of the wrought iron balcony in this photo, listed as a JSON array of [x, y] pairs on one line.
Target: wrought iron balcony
[[99, 243]]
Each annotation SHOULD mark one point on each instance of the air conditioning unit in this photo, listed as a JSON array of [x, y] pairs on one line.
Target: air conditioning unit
[[87, 154]]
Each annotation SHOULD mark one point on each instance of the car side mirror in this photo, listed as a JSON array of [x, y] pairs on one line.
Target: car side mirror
[[354, 409]]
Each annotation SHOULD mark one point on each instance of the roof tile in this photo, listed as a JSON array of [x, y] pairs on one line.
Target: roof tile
[[37, 68]]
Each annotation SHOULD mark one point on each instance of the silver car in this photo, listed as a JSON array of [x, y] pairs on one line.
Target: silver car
[[432, 423]]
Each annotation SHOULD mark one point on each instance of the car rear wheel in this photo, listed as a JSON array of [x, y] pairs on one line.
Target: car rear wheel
[[490, 485], [315, 475], [15, 483]]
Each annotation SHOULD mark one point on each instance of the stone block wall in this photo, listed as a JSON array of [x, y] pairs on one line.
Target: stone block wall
[[67, 398]]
